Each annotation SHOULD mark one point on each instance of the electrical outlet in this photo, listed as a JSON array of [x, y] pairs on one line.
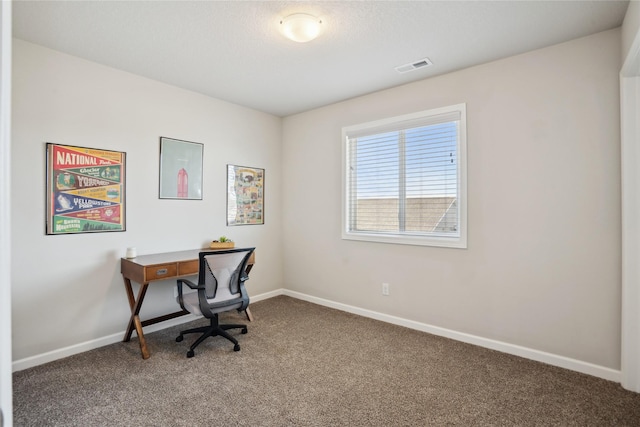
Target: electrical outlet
[[385, 289]]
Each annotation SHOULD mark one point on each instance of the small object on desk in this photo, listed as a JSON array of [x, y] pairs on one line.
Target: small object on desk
[[222, 243], [131, 253]]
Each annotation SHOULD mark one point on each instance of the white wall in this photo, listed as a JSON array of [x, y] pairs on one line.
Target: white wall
[[630, 153], [630, 28], [6, 404], [67, 289], [542, 268]]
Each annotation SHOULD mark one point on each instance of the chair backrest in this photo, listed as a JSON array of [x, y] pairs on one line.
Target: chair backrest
[[222, 271]]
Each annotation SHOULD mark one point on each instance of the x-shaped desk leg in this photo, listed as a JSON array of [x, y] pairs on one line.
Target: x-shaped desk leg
[[134, 320]]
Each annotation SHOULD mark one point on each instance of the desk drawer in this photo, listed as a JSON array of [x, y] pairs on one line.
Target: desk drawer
[[188, 268], [162, 271]]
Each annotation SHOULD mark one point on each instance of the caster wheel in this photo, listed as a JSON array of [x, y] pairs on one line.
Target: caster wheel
[[244, 331], [190, 353], [179, 339], [236, 347]]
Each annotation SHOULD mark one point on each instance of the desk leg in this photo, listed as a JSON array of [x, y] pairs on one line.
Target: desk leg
[[134, 320], [143, 343]]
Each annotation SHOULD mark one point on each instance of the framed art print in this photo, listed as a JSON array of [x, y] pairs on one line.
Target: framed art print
[[85, 190], [245, 195], [180, 169]]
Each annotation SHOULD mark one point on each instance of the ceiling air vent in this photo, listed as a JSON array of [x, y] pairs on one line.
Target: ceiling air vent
[[421, 63]]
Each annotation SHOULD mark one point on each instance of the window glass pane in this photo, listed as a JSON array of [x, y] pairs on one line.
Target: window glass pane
[[431, 178], [376, 178], [404, 181]]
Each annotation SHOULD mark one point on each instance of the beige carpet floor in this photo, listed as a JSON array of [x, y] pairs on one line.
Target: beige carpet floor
[[306, 365]]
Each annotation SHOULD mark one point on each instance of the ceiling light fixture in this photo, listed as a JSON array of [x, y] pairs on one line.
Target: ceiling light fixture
[[300, 27]]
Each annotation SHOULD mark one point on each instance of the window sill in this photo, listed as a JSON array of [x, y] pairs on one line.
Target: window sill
[[435, 241]]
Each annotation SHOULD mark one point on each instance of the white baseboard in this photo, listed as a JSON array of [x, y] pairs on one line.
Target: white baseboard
[[50, 356], [267, 295], [528, 353]]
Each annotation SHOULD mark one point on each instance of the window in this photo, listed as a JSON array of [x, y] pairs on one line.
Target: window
[[405, 179]]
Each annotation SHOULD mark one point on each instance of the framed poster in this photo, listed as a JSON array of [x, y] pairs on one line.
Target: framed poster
[[85, 190], [245, 195], [180, 169]]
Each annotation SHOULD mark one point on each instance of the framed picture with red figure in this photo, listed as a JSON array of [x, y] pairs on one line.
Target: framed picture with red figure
[[180, 169]]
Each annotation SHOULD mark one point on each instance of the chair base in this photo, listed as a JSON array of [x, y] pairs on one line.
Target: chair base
[[214, 329]]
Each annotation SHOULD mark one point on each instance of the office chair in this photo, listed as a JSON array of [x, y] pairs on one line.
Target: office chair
[[220, 288]]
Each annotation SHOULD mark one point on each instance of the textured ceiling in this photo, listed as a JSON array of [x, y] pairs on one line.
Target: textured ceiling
[[233, 50]]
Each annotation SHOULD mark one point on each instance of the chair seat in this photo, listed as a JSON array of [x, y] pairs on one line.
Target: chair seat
[[192, 304]]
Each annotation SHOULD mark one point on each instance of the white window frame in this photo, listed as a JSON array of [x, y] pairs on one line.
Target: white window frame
[[396, 123]]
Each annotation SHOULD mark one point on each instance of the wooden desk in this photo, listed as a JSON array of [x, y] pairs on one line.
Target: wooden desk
[[148, 268]]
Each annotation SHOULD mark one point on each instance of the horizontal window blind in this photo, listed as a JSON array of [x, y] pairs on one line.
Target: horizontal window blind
[[403, 177]]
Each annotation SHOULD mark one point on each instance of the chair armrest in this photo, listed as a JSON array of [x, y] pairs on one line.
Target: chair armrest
[[190, 284]]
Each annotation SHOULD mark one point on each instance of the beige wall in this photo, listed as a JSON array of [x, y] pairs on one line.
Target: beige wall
[[67, 290], [630, 28], [630, 124], [542, 268]]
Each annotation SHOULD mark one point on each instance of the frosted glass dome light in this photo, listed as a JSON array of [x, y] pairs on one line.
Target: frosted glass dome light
[[300, 27]]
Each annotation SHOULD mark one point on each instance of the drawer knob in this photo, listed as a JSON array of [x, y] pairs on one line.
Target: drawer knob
[[161, 271]]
